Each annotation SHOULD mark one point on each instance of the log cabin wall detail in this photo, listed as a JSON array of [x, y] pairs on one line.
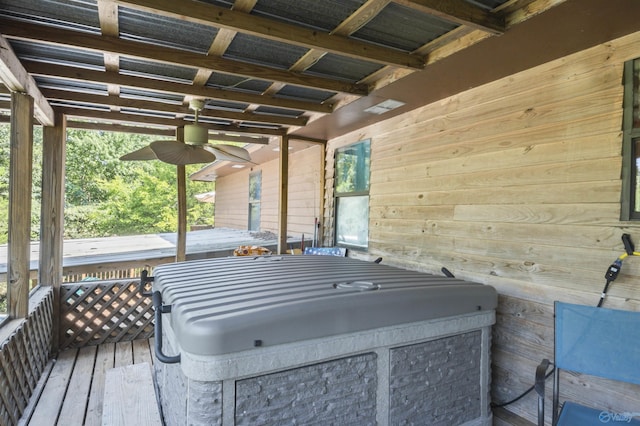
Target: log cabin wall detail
[[515, 184]]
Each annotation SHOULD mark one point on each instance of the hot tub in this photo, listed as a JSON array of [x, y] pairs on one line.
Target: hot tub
[[321, 340]]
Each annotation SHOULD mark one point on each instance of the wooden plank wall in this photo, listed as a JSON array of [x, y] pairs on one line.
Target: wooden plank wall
[[304, 195], [515, 184], [232, 200]]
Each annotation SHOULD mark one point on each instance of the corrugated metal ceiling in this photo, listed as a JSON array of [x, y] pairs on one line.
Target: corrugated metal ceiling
[[278, 60]]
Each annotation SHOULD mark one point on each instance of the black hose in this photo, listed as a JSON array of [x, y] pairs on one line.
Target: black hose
[[157, 328], [522, 395]]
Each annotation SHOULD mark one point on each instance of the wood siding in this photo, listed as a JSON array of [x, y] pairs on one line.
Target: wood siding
[[515, 184], [232, 202]]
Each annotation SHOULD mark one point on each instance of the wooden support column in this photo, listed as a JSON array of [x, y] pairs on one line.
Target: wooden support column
[[52, 214], [20, 171], [181, 243], [283, 194], [52, 206], [321, 195]]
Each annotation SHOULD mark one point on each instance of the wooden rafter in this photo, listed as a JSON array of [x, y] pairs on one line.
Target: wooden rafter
[[58, 36], [82, 74], [242, 139], [460, 12], [512, 12], [220, 44], [208, 14], [159, 121], [16, 79], [171, 108], [108, 15], [365, 13], [114, 127]]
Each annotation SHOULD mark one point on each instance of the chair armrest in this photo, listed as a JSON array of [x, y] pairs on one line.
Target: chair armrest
[[541, 376], [541, 373]]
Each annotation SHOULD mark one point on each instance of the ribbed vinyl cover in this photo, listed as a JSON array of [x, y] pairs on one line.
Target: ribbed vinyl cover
[[233, 304]]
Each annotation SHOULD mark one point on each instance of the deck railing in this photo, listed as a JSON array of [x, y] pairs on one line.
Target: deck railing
[[90, 313], [99, 303], [96, 312], [25, 348]]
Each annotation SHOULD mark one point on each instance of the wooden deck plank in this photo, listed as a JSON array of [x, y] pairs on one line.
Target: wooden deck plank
[[504, 417], [142, 352], [123, 354], [104, 362], [75, 402], [37, 392], [73, 393], [129, 397], [50, 402]]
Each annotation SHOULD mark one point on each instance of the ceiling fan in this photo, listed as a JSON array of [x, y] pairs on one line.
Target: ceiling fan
[[195, 148]]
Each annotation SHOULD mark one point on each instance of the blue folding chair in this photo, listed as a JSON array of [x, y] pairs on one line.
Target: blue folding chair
[[595, 341], [326, 251]]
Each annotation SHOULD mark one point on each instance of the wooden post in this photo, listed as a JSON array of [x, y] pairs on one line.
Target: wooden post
[[283, 196], [20, 171], [52, 214], [322, 178], [181, 243]]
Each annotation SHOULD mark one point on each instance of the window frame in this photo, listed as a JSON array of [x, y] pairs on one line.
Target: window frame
[[338, 195], [630, 136], [254, 201]]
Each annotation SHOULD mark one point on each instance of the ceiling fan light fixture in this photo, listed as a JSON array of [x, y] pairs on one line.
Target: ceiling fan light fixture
[[193, 133]]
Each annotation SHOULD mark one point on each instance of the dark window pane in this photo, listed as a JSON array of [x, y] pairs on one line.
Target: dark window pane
[[352, 168], [255, 187]]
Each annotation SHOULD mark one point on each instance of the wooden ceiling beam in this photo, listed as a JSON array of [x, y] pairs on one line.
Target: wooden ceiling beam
[[159, 121], [208, 14], [460, 12], [144, 105], [365, 13], [220, 44], [173, 56], [16, 79], [123, 128], [242, 139], [82, 74], [109, 26], [514, 12]]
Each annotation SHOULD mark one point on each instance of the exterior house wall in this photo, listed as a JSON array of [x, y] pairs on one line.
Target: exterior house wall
[[232, 202], [515, 184]]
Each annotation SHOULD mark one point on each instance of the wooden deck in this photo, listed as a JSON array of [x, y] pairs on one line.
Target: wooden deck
[[72, 389]]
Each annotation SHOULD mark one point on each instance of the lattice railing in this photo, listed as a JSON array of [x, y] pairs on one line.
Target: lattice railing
[[24, 355], [98, 312]]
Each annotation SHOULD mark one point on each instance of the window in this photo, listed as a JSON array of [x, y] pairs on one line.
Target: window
[[352, 164], [630, 209], [255, 192]]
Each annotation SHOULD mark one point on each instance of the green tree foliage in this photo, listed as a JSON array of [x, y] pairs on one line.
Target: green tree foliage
[[105, 196], [36, 182]]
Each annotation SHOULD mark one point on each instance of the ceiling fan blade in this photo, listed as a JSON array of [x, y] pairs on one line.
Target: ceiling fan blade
[[141, 154], [180, 153], [230, 153]]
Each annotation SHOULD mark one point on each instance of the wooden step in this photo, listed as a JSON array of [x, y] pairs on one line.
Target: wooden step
[[504, 417], [130, 397]]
